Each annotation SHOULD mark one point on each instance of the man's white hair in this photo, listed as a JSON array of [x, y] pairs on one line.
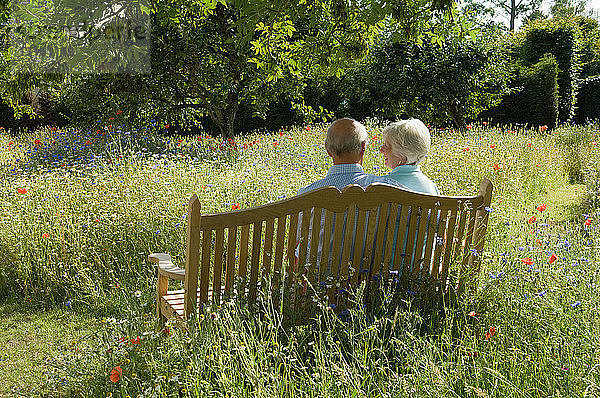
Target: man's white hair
[[351, 143], [409, 138]]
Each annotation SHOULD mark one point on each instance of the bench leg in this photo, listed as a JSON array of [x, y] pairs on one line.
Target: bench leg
[[161, 289]]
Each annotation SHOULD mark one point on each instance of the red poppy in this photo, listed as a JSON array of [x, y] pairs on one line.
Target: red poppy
[[111, 118], [473, 314], [594, 143], [45, 235], [375, 138], [235, 206], [493, 146], [587, 222], [119, 112], [308, 128], [136, 340], [88, 142], [22, 191], [552, 258], [543, 128], [527, 261], [469, 127], [10, 143], [167, 126], [275, 143], [496, 166], [541, 208], [529, 145], [37, 142], [490, 333], [115, 374], [531, 220], [484, 123], [538, 242]]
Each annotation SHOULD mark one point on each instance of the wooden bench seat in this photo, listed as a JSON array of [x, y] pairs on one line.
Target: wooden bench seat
[[427, 244]]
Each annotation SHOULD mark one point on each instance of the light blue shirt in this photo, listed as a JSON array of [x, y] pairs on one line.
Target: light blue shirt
[[412, 177], [341, 175]]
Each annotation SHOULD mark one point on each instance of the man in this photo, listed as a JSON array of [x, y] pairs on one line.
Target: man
[[345, 143]]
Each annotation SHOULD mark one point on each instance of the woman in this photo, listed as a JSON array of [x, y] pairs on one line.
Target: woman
[[406, 143]]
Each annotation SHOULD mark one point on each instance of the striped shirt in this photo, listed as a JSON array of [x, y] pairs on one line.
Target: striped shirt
[[341, 175]]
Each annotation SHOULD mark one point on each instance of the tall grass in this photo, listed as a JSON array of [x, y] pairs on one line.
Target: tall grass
[[96, 203]]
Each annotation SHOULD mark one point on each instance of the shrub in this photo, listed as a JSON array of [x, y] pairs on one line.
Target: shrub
[[588, 99], [559, 37], [535, 99]]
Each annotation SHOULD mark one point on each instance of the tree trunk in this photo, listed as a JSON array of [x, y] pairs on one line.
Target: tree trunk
[[457, 117], [513, 14], [225, 118]]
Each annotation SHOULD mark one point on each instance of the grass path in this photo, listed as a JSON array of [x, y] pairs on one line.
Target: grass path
[[32, 338]]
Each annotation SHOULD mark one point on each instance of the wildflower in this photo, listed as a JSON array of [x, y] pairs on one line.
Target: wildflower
[[469, 127], [576, 304], [119, 112], [493, 146], [111, 118], [527, 261], [496, 166], [543, 128], [542, 293], [552, 258], [541, 208], [490, 333], [235, 206], [37, 142], [587, 222], [136, 340], [45, 235], [529, 144], [68, 303], [531, 219], [115, 374], [22, 191], [137, 294], [473, 314]]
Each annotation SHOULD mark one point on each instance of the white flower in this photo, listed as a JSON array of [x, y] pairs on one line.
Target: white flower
[[137, 294]]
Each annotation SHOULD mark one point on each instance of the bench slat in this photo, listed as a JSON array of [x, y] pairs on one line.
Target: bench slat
[[192, 253], [205, 266], [231, 250], [359, 245], [243, 259], [279, 250], [383, 214], [218, 267], [268, 247], [326, 245], [255, 260]]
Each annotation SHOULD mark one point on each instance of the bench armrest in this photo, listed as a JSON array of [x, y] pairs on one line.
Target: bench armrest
[[166, 266]]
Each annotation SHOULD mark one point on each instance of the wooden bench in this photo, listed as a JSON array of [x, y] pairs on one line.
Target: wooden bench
[[438, 239]]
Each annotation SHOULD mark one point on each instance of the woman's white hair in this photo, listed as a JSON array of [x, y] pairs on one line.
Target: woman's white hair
[[409, 138]]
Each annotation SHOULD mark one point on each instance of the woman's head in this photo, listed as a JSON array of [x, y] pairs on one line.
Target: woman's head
[[405, 142]]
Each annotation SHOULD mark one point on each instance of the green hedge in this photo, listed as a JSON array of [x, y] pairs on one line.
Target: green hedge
[[588, 100], [561, 38], [534, 100]]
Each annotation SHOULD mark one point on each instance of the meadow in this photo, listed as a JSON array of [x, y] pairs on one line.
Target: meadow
[[81, 210]]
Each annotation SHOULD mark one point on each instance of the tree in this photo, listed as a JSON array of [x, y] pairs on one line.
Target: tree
[[439, 82], [210, 55], [514, 9]]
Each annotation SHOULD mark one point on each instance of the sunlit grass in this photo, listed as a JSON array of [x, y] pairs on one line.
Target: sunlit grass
[[79, 212]]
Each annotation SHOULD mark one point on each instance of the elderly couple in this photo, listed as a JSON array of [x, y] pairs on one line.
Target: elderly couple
[[406, 143]]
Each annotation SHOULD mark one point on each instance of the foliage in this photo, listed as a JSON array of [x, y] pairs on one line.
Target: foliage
[[205, 58], [437, 82], [588, 99], [534, 100], [561, 38]]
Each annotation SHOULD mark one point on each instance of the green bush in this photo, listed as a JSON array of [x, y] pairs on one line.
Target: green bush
[[561, 38], [588, 100], [535, 99]]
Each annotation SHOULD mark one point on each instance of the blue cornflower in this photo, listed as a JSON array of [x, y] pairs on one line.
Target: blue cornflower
[[576, 304]]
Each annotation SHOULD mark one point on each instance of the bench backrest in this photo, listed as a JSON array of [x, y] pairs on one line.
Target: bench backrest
[[430, 233]]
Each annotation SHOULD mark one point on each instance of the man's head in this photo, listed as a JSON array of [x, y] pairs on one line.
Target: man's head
[[346, 141]]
